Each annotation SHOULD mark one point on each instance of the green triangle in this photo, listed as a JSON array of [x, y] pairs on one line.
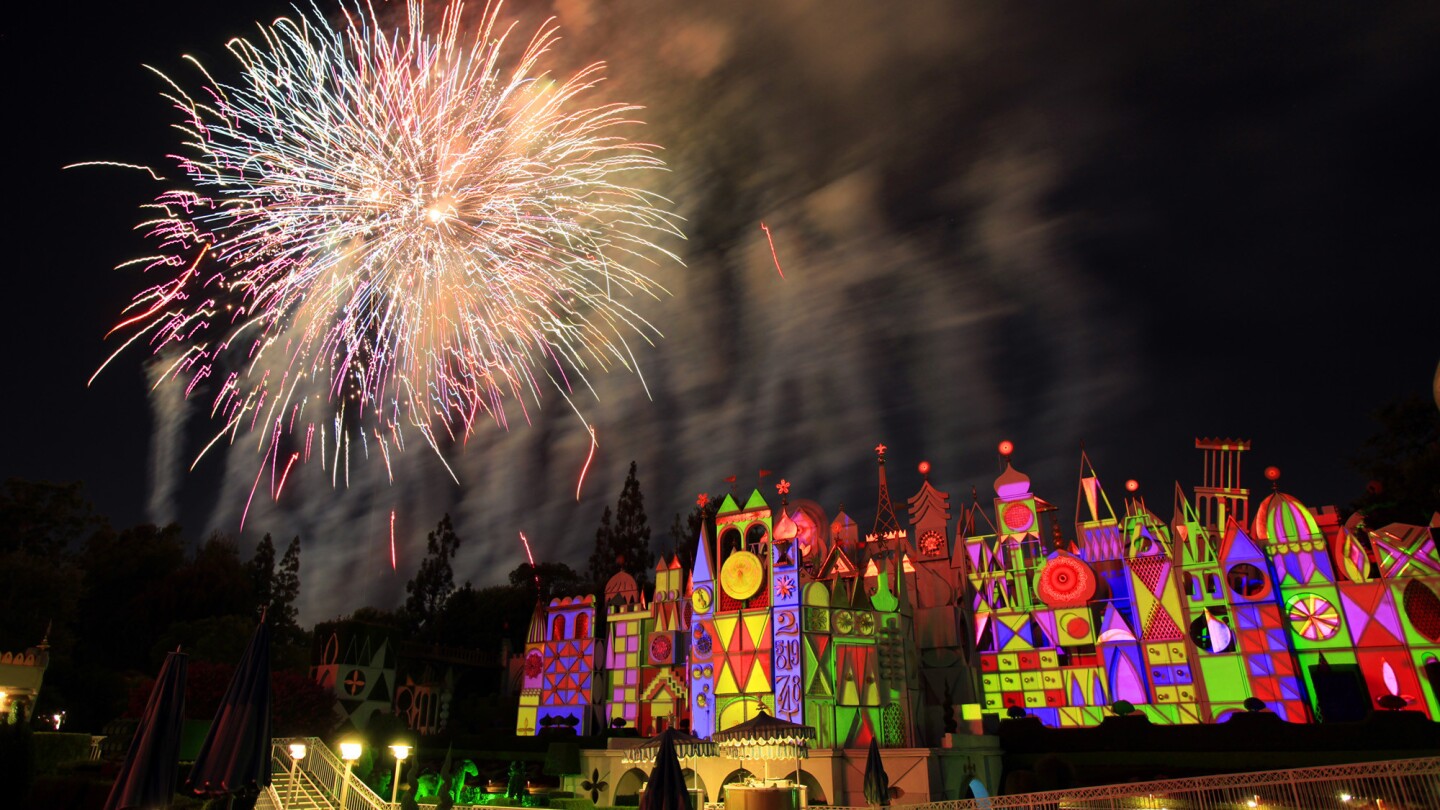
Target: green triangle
[[727, 506], [756, 501]]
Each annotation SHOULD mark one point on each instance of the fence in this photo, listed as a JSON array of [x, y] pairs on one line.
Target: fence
[[1404, 784]]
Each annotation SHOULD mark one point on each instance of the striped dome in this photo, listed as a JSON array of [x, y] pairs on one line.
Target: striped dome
[[1283, 519]]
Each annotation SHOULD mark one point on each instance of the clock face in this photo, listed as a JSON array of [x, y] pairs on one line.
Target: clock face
[[742, 574], [660, 647], [1018, 516], [932, 543], [533, 664], [701, 599]]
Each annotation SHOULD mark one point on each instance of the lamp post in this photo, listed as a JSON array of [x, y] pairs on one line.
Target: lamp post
[[401, 751], [297, 753], [349, 751]]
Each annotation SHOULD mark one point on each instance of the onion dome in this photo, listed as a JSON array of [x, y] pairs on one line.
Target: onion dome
[[785, 528], [1012, 484], [621, 589], [1282, 518]]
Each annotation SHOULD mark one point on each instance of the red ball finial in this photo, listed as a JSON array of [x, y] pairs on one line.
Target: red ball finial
[[1006, 447], [1132, 485], [924, 468], [1272, 473]]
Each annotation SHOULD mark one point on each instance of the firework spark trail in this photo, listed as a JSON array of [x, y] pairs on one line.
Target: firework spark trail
[[531, 557], [773, 254], [392, 540], [589, 458], [412, 224]]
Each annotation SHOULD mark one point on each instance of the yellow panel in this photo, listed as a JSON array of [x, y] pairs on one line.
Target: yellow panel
[[1049, 659], [1035, 700], [1030, 680], [872, 694], [758, 684], [1050, 679], [1010, 681], [1157, 653], [1165, 694], [755, 625], [1008, 661], [724, 630], [991, 681], [993, 702], [725, 680]]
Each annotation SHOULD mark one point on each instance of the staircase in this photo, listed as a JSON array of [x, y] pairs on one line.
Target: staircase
[[314, 782], [302, 794]]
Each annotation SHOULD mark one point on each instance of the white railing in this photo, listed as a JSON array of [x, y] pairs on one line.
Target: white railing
[[1406, 784], [325, 770]]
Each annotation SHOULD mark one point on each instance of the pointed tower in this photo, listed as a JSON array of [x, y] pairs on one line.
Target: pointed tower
[[1260, 635], [887, 527], [788, 656], [531, 674], [702, 636]]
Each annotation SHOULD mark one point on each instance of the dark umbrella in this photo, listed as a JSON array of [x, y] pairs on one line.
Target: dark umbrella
[[147, 778], [877, 783], [666, 789], [235, 757]]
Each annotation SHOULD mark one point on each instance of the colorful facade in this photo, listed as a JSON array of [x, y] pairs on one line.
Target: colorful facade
[[906, 632]]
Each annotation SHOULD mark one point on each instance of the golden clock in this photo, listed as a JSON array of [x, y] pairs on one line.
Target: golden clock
[[742, 575], [700, 599]]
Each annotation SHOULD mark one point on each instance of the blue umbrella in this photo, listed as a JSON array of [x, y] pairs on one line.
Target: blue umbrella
[[235, 757], [147, 777]]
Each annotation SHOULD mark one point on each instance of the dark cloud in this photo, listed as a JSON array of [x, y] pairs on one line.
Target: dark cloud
[[1118, 224]]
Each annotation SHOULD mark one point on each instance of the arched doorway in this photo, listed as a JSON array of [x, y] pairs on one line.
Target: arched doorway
[[629, 784], [696, 783], [737, 775], [738, 712], [814, 792]]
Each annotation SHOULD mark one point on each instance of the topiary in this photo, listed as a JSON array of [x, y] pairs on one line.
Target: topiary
[[1122, 708]]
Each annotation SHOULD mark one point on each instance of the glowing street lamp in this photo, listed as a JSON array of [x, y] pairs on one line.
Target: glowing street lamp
[[349, 751], [401, 751], [297, 753]]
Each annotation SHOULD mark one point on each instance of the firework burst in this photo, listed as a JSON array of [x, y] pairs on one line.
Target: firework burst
[[381, 231]]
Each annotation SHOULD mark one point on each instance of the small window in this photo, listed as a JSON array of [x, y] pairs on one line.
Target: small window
[[1247, 580]]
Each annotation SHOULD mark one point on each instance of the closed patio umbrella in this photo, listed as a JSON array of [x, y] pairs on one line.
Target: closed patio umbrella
[[877, 782], [147, 777], [666, 789], [235, 757]]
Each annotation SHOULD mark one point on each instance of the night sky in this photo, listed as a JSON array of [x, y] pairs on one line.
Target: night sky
[[1120, 225]]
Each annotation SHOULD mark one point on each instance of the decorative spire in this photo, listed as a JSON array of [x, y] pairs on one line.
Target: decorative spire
[[885, 521]]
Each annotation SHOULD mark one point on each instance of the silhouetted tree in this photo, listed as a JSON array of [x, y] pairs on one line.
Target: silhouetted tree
[[555, 579], [286, 590], [261, 569], [630, 539], [44, 518], [434, 582], [602, 559], [1402, 462]]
